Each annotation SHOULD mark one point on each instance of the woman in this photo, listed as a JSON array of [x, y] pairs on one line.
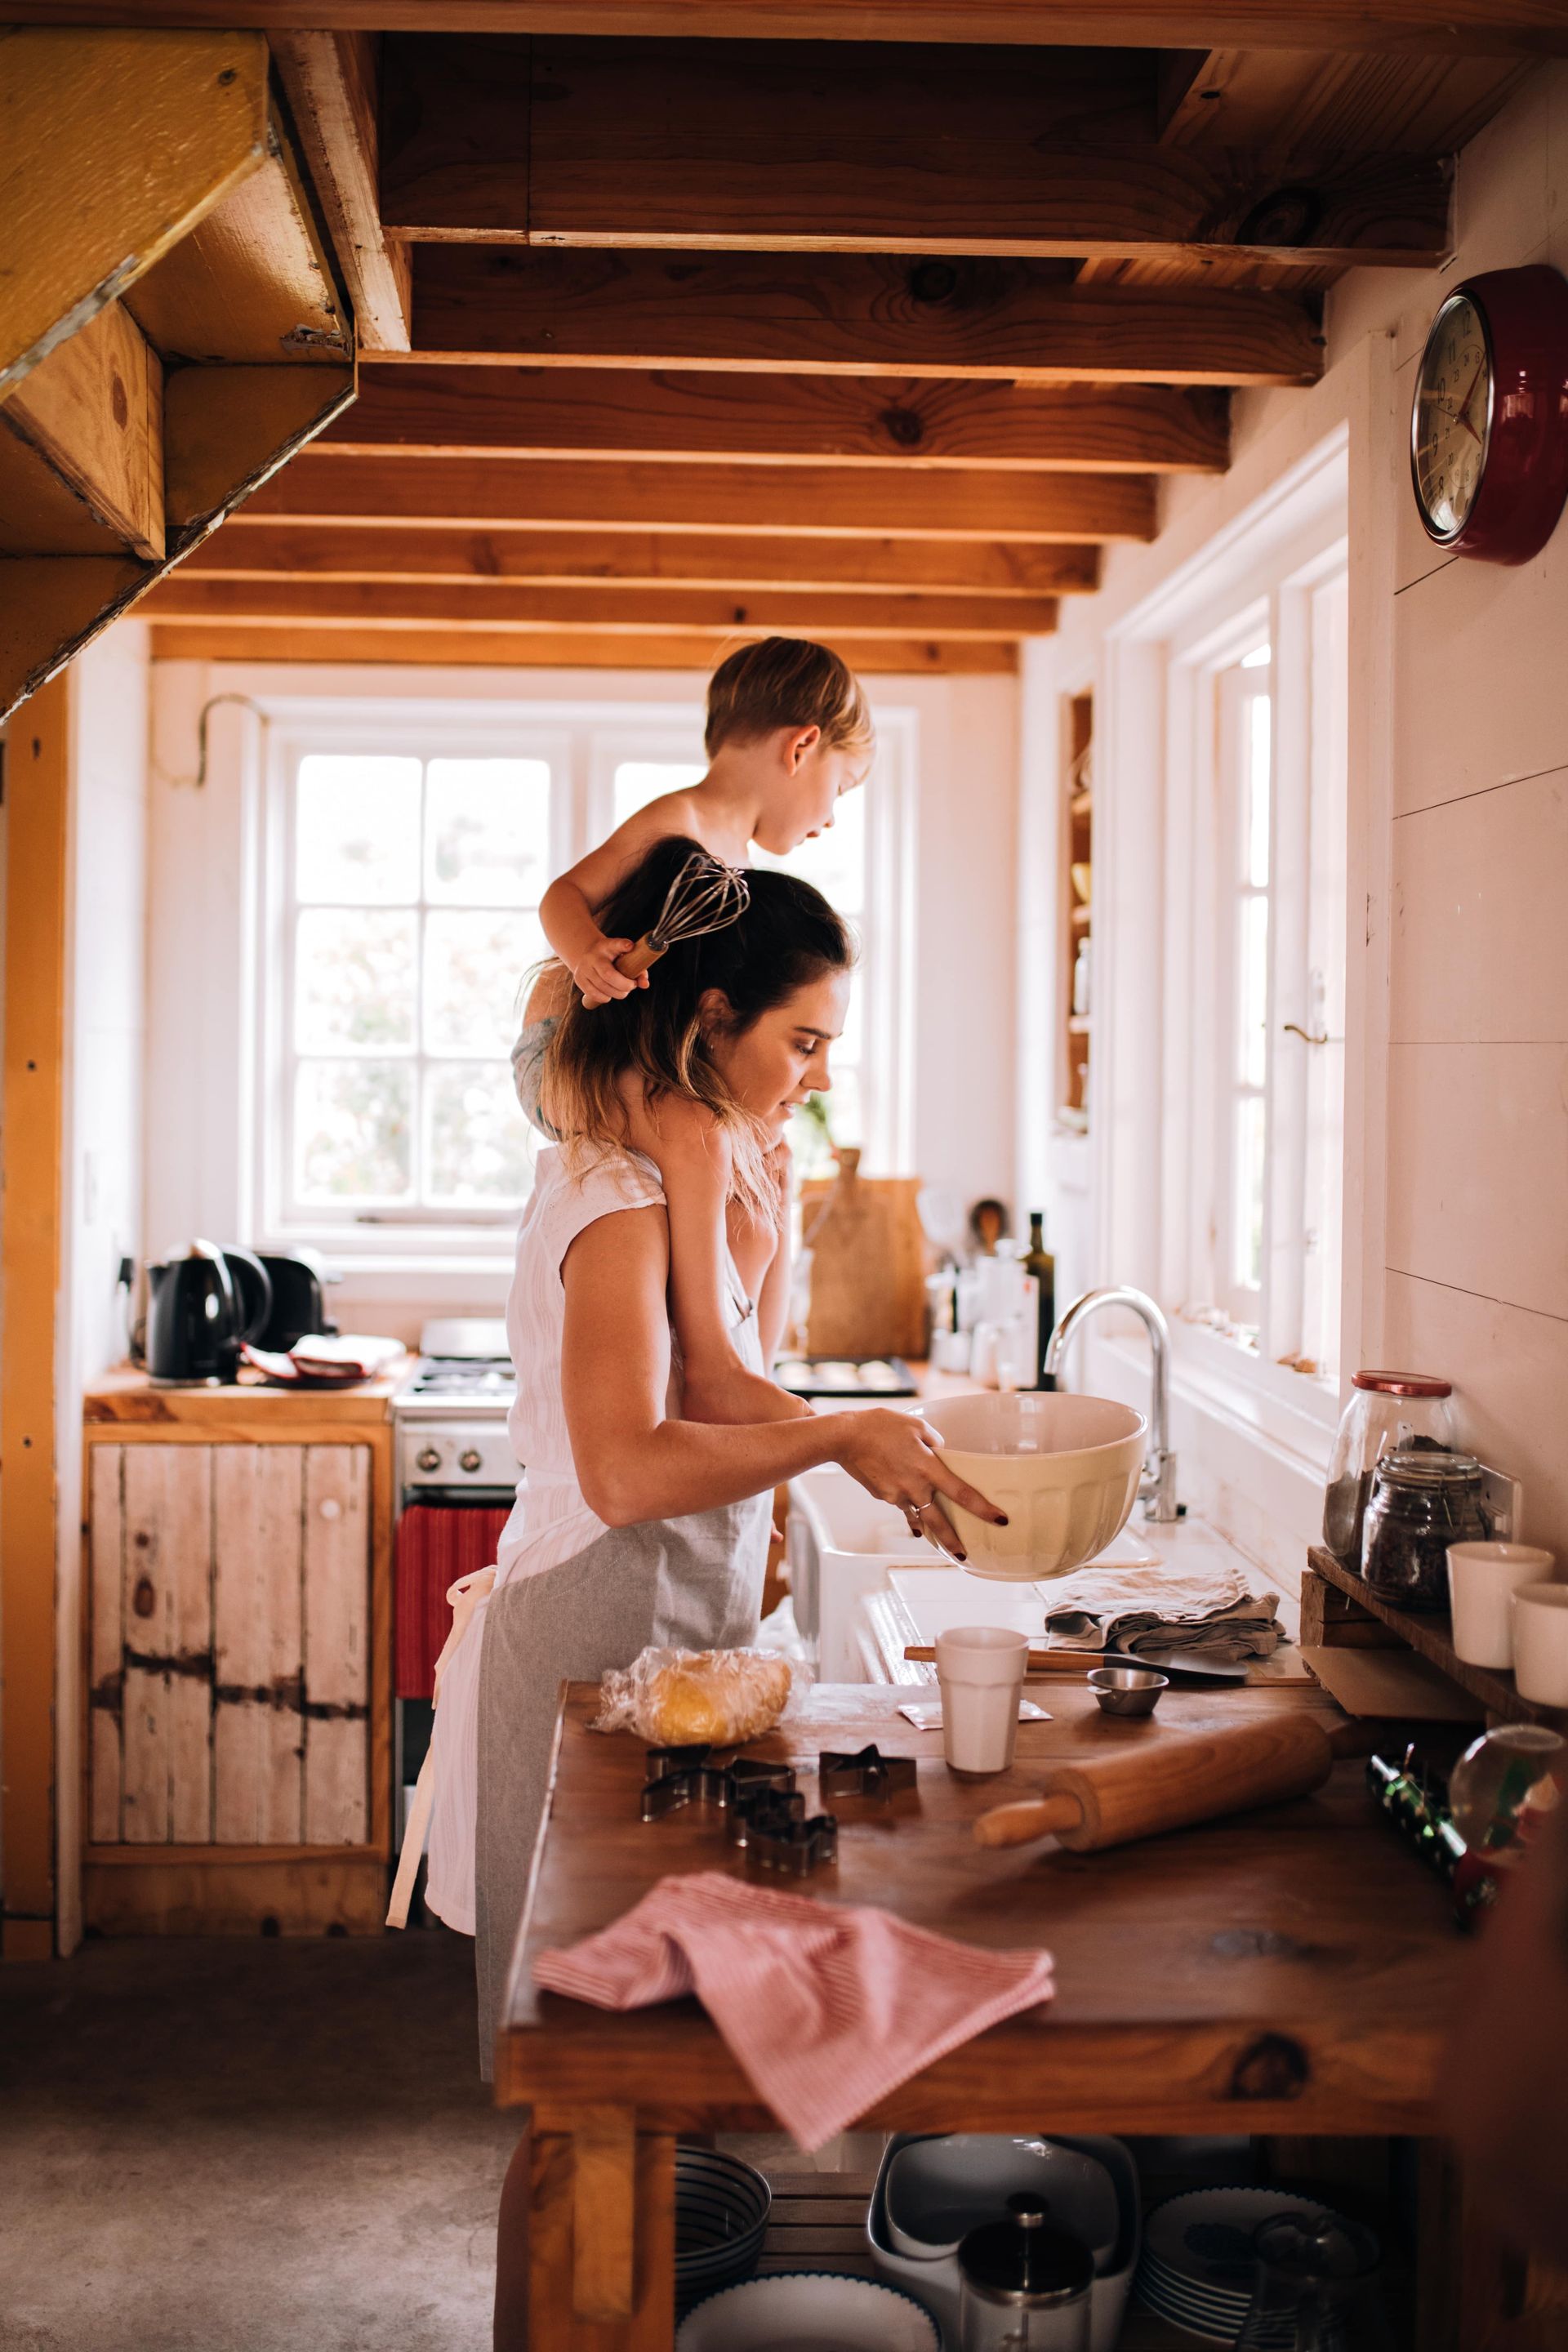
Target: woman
[[633, 1526]]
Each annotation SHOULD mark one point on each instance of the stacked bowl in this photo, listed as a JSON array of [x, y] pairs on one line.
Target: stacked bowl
[[722, 2209]]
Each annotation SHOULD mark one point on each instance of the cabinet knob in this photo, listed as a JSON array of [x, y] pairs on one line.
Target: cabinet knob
[[331, 1508]]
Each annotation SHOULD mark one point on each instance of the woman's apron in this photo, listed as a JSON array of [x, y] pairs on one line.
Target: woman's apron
[[691, 1584]]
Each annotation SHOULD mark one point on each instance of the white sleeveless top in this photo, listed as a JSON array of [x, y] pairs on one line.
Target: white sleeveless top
[[550, 1520]]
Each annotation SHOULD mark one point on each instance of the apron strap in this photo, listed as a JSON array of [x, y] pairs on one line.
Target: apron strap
[[464, 1598]]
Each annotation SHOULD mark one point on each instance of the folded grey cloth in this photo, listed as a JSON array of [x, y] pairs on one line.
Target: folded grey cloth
[[1204, 1614]]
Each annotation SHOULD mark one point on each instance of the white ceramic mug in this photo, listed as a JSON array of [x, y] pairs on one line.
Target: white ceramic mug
[[1541, 1643], [1482, 1581], [981, 1671]]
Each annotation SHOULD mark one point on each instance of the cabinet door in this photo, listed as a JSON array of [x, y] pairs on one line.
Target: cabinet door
[[229, 1637]]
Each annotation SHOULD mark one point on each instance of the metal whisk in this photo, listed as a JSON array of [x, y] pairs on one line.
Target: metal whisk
[[705, 896]]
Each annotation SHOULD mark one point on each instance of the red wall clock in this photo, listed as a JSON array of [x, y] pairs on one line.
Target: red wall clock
[[1488, 425]]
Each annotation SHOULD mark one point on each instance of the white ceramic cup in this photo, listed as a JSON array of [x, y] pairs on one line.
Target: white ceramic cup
[[1541, 1643], [981, 1671], [1482, 1581]]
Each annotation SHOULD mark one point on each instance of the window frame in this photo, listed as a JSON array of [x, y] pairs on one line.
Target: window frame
[[584, 742]]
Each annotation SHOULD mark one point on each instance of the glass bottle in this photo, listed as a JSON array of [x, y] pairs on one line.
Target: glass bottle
[[1314, 2289], [1421, 1503], [1385, 1410], [1038, 1261]]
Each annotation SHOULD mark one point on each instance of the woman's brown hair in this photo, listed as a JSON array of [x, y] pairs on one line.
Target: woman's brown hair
[[787, 937]]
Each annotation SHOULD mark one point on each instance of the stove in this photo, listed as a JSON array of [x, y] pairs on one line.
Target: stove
[[450, 1413]]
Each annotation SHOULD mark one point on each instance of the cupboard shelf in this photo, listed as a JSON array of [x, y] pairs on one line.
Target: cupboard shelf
[[1429, 1635]]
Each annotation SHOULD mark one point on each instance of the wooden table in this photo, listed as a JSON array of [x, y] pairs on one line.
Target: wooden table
[[1286, 1972]]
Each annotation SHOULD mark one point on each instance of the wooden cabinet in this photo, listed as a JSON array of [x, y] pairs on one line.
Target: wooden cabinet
[[238, 1690]]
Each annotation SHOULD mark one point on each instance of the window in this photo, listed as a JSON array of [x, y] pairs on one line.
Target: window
[[398, 877], [415, 887], [1275, 1064]]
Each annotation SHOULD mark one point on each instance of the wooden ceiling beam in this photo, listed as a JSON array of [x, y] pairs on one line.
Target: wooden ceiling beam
[[822, 420], [331, 79], [1395, 27], [92, 412], [651, 649], [773, 147], [714, 612], [847, 314], [644, 559], [790, 501]]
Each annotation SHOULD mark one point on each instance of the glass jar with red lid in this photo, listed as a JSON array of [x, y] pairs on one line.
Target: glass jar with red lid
[[1387, 1411]]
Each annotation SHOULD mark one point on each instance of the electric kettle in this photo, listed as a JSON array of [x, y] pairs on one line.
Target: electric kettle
[[195, 1321]]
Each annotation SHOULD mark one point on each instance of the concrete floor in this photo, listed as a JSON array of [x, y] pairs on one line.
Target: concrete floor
[[274, 2146]]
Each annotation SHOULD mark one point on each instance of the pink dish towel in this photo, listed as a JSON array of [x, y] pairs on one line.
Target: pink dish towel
[[826, 2010]]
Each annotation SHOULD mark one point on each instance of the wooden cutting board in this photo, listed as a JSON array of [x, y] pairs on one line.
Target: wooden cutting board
[[868, 1263]]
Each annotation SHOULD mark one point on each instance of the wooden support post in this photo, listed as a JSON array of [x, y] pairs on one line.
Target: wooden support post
[[37, 791], [600, 2231]]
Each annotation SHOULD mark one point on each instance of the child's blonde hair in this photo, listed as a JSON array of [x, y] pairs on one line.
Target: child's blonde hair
[[787, 682]]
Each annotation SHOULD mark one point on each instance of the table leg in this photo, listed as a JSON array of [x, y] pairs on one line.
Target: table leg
[[585, 2261]]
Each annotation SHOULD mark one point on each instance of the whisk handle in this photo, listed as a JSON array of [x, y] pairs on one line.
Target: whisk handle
[[637, 960]]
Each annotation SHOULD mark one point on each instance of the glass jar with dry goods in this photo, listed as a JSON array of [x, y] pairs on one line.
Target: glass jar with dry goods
[[1385, 1410], [1421, 1503]]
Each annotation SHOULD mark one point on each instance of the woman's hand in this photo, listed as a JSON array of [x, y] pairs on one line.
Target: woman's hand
[[894, 1457]]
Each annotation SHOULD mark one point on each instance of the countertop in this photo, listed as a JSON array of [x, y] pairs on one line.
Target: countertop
[[126, 1396], [1285, 1970]]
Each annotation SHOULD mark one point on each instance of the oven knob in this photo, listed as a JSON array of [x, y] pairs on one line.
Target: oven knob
[[428, 1458], [470, 1459]]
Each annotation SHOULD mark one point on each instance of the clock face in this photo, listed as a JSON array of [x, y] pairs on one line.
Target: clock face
[[1450, 429]]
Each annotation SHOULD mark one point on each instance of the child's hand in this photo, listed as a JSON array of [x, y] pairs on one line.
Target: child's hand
[[597, 977]]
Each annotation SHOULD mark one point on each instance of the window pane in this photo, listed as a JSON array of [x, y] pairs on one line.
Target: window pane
[[356, 829], [355, 971], [1259, 720], [487, 831], [353, 1130], [476, 1140], [637, 781], [843, 1104], [835, 863], [1252, 996], [1248, 1227], [475, 967]]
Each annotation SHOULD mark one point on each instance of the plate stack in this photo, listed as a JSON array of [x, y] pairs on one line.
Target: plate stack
[[1197, 2265], [722, 2209]]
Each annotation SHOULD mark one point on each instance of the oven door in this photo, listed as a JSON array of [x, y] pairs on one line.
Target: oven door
[[442, 1534]]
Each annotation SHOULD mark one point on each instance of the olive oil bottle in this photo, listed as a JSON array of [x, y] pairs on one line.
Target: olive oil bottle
[[1038, 1261]]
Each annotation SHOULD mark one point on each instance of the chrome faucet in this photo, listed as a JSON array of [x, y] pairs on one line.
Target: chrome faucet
[[1158, 1490]]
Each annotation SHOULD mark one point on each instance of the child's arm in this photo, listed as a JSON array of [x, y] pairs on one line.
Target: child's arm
[[693, 1155], [566, 909]]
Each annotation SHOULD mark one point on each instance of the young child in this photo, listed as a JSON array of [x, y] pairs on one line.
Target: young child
[[788, 730]]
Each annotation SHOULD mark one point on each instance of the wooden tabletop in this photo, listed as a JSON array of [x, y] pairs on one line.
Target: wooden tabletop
[[127, 1397], [1284, 1971]]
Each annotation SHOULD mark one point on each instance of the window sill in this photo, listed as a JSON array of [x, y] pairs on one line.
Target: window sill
[[1287, 1415]]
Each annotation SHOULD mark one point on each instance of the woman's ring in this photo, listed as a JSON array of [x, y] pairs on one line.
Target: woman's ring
[[912, 1516]]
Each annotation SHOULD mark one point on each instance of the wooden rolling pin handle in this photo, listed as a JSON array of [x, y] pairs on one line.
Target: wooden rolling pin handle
[[639, 959], [1029, 1818]]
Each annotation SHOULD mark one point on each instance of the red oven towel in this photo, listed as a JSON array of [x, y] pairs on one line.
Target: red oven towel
[[827, 2008], [436, 1543]]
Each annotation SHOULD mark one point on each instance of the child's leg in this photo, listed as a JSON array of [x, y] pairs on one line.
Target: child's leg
[[693, 1155]]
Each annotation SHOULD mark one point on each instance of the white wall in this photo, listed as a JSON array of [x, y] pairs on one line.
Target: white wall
[[1457, 1149], [964, 1056], [101, 1146]]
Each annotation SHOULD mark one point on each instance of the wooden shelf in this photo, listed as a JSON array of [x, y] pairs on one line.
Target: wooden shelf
[[1429, 1635], [1078, 1024]]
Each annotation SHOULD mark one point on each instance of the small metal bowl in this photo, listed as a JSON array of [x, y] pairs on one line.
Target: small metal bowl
[[1128, 1690]]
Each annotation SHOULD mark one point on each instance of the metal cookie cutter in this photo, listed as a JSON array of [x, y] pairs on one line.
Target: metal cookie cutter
[[779, 1839], [866, 1774], [687, 1776]]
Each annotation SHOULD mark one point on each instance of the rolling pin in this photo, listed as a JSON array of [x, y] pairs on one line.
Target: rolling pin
[[1169, 1781]]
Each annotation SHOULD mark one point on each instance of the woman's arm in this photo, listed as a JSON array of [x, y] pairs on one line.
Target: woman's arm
[[634, 1463]]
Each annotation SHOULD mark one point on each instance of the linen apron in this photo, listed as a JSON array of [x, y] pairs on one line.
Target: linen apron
[[694, 1583]]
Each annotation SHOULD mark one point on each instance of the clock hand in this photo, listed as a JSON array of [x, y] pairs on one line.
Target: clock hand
[[1464, 408]]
